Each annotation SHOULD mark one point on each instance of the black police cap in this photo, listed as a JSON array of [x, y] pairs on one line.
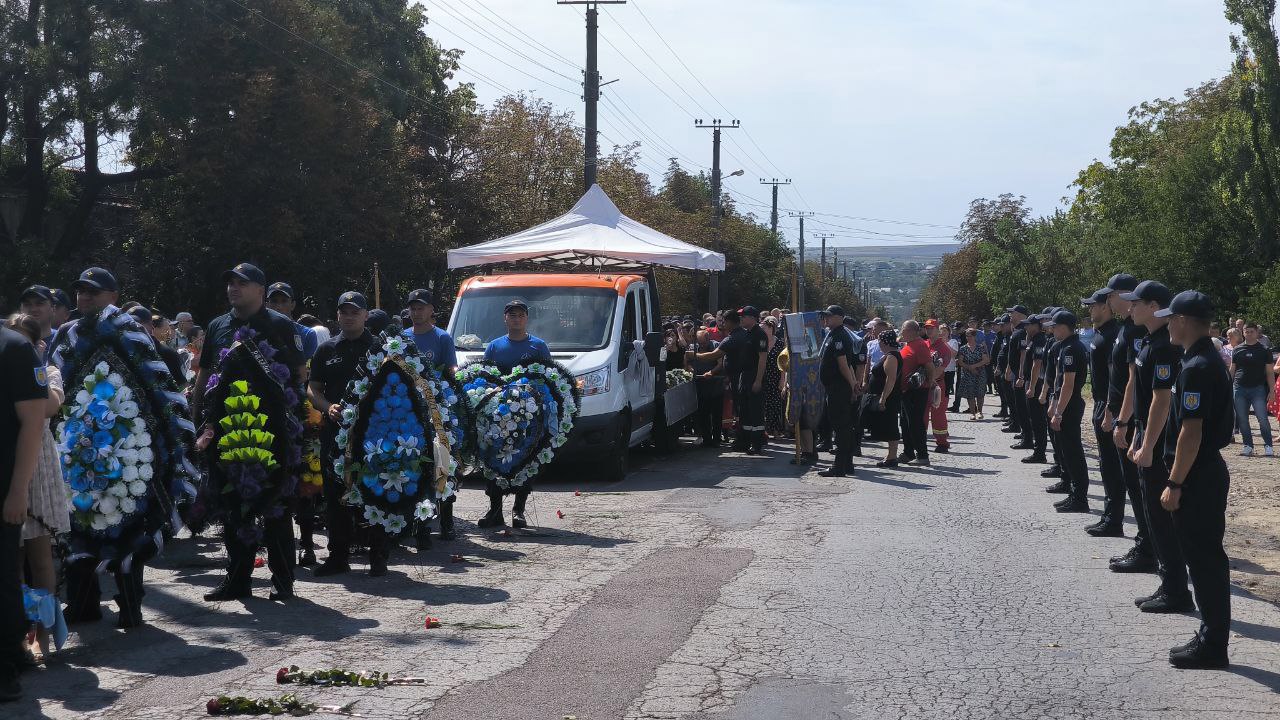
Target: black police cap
[[1191, 303], [1062, 317], [1097, 298], [831, 310], [1018, 309], [1121, 282], [377, 321], [247, 272], [753, 311], [352, 297], [61, 298], [98, 279], [39, 291], [1150, 291], [420, 295], [280, 287], [142, 315]]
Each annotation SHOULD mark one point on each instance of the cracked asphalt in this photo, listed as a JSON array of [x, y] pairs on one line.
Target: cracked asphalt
[[702, 587]]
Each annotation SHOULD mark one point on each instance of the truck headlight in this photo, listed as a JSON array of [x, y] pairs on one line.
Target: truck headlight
[[594, 382]]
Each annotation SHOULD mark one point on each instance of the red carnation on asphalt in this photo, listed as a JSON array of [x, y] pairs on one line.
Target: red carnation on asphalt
[[559, 514], [282, 676], [431, 623], [576, 493], [213, 707]]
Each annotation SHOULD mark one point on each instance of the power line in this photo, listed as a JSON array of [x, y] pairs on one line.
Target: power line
[[663, 70], [526, 38], [876, 232], [448, 9], [544, 81]]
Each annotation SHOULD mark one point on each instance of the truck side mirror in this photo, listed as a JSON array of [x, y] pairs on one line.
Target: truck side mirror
[[653, 347]]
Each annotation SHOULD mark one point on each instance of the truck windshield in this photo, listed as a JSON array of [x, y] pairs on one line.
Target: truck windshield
[[567, 318]]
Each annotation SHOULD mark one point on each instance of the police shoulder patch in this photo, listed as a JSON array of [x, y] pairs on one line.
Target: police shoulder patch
[[1137, 343], [1163, 372], [297, 341], [1068, 361], [839, 345], [42, 376], [1190, 400]]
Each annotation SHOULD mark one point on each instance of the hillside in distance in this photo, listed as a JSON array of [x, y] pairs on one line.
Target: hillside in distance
[[895, 274]]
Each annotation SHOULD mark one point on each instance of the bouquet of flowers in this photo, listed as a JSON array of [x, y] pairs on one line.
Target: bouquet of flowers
[[522, 417], [678, 376], [122, 440], [257, 459], [312, 478], [400, 435]]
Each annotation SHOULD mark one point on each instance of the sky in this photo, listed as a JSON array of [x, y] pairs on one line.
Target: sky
[[892, 114]]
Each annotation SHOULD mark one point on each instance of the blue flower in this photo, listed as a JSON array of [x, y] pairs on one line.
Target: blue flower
[[102, 439], [411, 488], [97, 409], [83, 501], [74, 427], [104, 391], [79, 484], [88, 455], [393, 496], [380, 405]]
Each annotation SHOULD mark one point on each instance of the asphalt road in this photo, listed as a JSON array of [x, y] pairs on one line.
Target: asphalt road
[[704, 586]]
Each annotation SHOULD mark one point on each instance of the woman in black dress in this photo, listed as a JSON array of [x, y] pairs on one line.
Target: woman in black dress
[[773, 421], [883, 400]]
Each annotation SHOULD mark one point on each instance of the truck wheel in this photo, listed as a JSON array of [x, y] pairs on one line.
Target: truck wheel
[[616, 468]]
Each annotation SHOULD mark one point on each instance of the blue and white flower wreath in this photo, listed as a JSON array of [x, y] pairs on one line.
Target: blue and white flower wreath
[[402, 431], [522, 417], [122, 440]]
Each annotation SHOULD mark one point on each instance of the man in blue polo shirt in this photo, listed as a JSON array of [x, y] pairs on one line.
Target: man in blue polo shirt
[[434, 343]]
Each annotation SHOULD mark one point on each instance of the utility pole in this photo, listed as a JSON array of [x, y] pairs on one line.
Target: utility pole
[[591, 87], [773, 218], [800, 264], [822, 276], [716, 125]]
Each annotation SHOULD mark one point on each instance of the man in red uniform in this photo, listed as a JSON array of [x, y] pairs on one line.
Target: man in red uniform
[[918, 378], [936, 409]]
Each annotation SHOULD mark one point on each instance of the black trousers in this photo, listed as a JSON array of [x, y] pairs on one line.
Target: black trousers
[[1023, 405], [915, 439], [839, 404], [13, 616], [496, 494], [1006, 407], [1199, 523], [1112, 476], [338, 518], [84, 592], [277, 538], [1164, 540], [1133, 488], [1070, 447], [710, 414], [949, 379], [1038, 415], [750, 418]]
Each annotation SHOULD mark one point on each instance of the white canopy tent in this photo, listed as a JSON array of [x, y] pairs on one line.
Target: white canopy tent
[[593, 235]]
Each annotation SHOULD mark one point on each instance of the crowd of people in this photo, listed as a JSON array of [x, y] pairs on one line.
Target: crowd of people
[[1168, 391]]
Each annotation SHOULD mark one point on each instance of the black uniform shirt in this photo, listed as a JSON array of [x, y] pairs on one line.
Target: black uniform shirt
[[1203, 391], [1013, 356], [732, 347], [1100, 347], [753, 342], [999, 352], [1125, 351], [281, 332], [1158, 363], [1049, 364], [336, 361], [1072, 357], [22, 378], [1251, 363], [1034, 351], [838, 344]]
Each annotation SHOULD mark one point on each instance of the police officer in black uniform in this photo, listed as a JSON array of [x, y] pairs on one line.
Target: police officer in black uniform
[[1156, 373], [1199, 427], [836, 370], [1140, 557], [1018, 422], [334, 366], [1029, 375], [999, 361], [246, 292], [1105, 331], [858, 360], [1066, 410], [1049, 376]]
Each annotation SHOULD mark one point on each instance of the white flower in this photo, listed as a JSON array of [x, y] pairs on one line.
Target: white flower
[[115, 380], [415, 363], [124, 394], [141, 439], [137, 488], [99, 522], [393, 481], [119, 490], [128, 505], [361, 386], [129, 473], [340, 465], [373, 515], [107, 504], [394, 345], [128, 456], [145, 472], [407, 446], [145, 455], [128, 409], [348, 414], [114, 518], [506, 454], [375, 361], [84, 397], [102, 369], [353, 497], [394, 524], [424, 511]]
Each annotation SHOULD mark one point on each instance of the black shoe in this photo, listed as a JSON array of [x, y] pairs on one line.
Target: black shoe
[[954, 409], [1000, 414], [1140, 601], [1105, 529], [906, 457], [1034, 459], [1074, 506], [226, 592], [1008, 429], [809, 458], [1133, 562], [448, 534], [1199, 655], [130, 615], [1022, 446], [518, 521], [751, 451], [920, 462], [1164, 604], [492, 520], [821, 447], [307, 558], [1062, 487], [888, 463], [1053, 471], [10, 689], [332, 567], [282, 595], [832, 472]]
